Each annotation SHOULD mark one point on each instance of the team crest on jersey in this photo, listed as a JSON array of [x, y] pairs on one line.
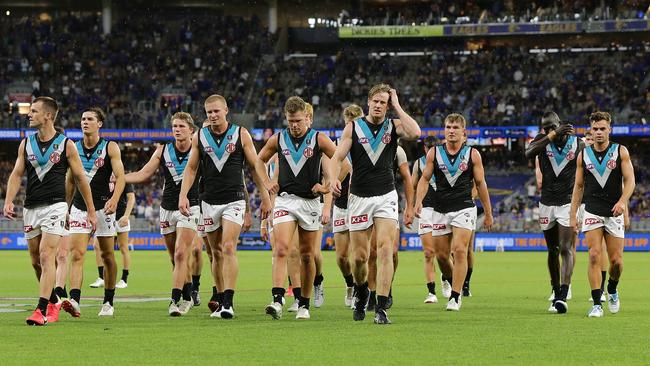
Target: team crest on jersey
[[611, 164], [463, 166], [99, 162], [55, 157], [309, 152], [230, 148], [386, 138], [571, 155]]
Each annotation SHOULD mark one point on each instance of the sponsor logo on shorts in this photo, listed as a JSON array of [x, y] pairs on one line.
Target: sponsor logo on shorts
[[55, 157], [280, 213], [339, 222], [386, 138], [99, 162], [208, 221], [425, 226], [439, 226], [309, 152], [164, 224], [593, 220], [618, 221], [28, 228], [75, 223], [363, 140], [544, 220], [611, 164], [200, 227], [230, 148], [359, 219]]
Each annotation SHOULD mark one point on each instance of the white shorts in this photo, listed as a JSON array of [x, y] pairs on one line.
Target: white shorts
[[340, 220], [213, 214], [581, 214], [170, 220], [307, 212], [613, 225], [79, 225], [123, 229], [363, 210], [425, 222], [200, 228], [549, 215], [442, 223], [49, 219]]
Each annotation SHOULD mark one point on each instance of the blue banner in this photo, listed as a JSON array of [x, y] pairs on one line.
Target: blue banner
[[634, 242], [512, 28]]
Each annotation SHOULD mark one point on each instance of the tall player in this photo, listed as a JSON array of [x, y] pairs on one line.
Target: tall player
[[455, 166], [556, 150], [605, 180], [299, 188], [100, 159], [222, 149], [372, 202], [46, 157], [178, 230], [425, 223]]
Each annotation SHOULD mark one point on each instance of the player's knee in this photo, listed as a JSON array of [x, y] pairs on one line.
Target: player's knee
[[594, 257], [460, 252], [360, 258], [77, 255], [428, 254], [616, 262], [281, 251], [180, 256], [342, 258], [228, 248]]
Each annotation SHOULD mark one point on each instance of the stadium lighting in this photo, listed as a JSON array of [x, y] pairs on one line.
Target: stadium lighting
[[8, 12], [23, 108], [311, 22]]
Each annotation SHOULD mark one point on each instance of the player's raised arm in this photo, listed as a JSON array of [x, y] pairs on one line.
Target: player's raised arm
[[406, 126], [148, 170], [13, 184], [481, 186]]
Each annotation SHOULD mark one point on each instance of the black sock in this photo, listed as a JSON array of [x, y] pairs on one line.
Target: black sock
[[108, 296], [390, 292], [556, 292], [595, 295], [125, 275], [448, 279], [53, 298], [42, 305], [278, 294], [220, 297], [454, 295], [603, 277], [60, 293], [382, 302], [176, 295], [297, 293], [214, 293], [611, 286], [564, 291], [100, 270], [349, 280], [303, 302], [373, 296], [468, 277], [196, 283], [318, 279], [228, 296], [187, 291], [289, 281], [432, 287], [75, 294]]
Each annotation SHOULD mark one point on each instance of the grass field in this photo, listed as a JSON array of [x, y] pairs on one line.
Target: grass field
[[505, 322]]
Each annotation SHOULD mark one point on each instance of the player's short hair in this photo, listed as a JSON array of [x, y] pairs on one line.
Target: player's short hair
[[216, 98], [456, 118], [551, 117], [295, 104], [309, 110], [185, 117], [379, 88], [430, 141], [600, 116], [588, 133], [99, 113], [50, 105], [352, 112]]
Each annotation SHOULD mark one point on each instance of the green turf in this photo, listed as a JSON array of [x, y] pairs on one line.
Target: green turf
[[505, 322]]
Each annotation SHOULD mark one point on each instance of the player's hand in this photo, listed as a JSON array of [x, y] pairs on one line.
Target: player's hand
[[248, 221], [335, 187], [619, 208], [565, 129], [264, 233], [8, 211], [319, 189], [325, 217], [272, 187], [418, 210], [489, 220], [394, 101], [265, 208], [91, 219], [123, 221], [408, 217], [184, 206], [110, 206]]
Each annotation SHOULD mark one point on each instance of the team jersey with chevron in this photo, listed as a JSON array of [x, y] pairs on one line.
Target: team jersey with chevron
[[603, 179], [373, 157], [173, 163], [299, 165], [429, 199], [46, 164], [558, 166], [98, 169], [454, 176], [222, 156]]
